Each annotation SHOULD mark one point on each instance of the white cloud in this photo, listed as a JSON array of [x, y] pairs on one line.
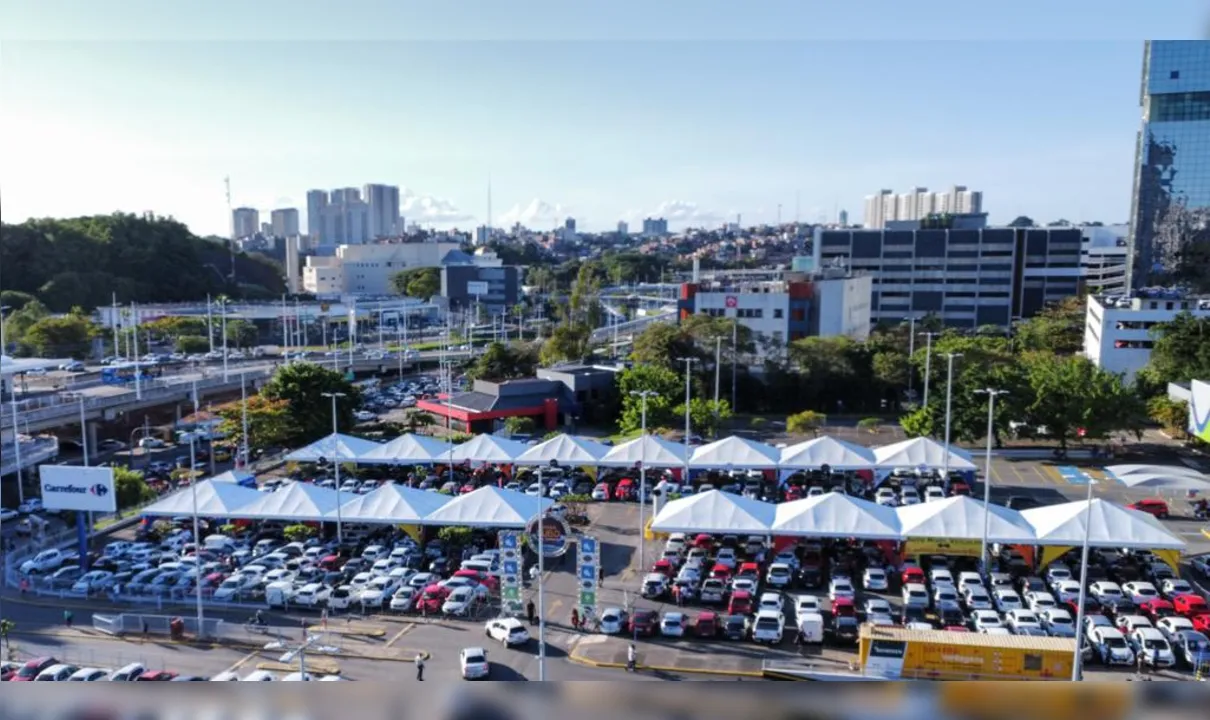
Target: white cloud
[[684, 212], [429, 210], [538, 214]]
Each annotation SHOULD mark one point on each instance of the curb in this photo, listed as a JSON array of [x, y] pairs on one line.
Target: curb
[[575, 657], [1206, 532]]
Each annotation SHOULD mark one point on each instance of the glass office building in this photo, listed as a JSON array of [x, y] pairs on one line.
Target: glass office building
[[1170, 213]]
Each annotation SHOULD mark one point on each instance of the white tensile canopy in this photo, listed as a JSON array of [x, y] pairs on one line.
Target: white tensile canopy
[[735, 452], [215, 499], [296, 501], [1112, 525], [715, 511], [333, 447], [962, 518], [489, 506], [238, 477], [565, 450], [651, 450], [1170, 481], [921, 452], [392, 503], [488, 449], [406, 449], [836, 515], [826, 450], [1124, 470]]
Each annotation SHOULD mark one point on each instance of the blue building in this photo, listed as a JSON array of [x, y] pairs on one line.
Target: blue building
[[1170, 215]]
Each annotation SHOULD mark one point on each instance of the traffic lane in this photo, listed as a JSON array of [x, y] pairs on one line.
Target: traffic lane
[[84, 650]]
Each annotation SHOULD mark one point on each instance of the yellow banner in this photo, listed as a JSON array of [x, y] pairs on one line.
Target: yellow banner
[[414, 531], [1050, 553], [1171, 558], [917, 547]]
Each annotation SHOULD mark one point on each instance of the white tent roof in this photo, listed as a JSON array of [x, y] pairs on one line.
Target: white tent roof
[[566, 450], [652, 450], [918, 452], [1121, 471], [232, 476], [825, 450], [406, 449], [836, 515], [391, 503], [1112, 526], [961, 518], [489, 506], [1172, 481], [333, 447], [735, 452], [489, 449], [297, 501], [215, 498], [715, 511]]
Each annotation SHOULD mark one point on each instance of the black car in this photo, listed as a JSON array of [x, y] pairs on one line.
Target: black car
[[1031, 583], [950, 616], [1021, 502], [735, 627], [810, 577], [842, 631], [911, 614]]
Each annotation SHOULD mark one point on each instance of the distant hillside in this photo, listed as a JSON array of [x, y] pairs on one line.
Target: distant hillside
[[83, 261]]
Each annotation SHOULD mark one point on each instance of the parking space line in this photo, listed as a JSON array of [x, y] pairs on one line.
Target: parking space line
[[243, 661], [401, 633], [1049, 473]]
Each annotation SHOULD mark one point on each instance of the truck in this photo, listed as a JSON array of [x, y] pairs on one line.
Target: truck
[[896, 652]]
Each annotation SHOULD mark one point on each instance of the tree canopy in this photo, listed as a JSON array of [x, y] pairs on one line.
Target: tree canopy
[[85, 261], [270, 422], [421, 283], [1059, 328], [1182, 350], [668, 389], [302, 386], [501, 362]]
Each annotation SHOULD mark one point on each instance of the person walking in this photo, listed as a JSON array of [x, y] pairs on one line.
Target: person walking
[[419, 667], [575, 619], [67, 617], [631, 658], [530, 612]]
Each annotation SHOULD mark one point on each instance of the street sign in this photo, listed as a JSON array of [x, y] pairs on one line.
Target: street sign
[[588, 598], [72, 487]]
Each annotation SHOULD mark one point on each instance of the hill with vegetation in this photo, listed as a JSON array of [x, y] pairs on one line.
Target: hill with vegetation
[[82, 262]]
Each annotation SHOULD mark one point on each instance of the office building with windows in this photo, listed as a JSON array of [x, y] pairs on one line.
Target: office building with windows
[[1170, 209], [886, 207], [245, 222], [283, 222], [383, 210], [1118, 328]]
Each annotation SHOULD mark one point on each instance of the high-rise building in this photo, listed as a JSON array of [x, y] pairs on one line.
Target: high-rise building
[[878, 207], [913, 205], [570, 225], [623, 228], [655, 227], [317, 200], [1170, 206], [245, 222], [383, 201], [843, 218], [283, 222], [919, 203]]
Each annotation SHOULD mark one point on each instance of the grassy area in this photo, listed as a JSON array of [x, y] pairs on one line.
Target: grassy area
[[115, 519], [621, 437]]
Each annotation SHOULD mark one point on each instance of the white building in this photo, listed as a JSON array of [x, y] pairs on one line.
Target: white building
[[1118, 328], [1104, 258], [919, 203], [245, 222], [383, 202], [293, 251], [879, 208], [367, 269], [623, 228]]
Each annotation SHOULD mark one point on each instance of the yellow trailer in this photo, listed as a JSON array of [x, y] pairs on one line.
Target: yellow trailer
[[948, 655]]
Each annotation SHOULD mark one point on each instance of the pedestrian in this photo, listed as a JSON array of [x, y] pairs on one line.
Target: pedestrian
[[601, 574], [679, 591], [419, 667], [146, 629], [67, 617], [631, 658], [530, 612], [1141, 664], [575, 619], [24, 585]]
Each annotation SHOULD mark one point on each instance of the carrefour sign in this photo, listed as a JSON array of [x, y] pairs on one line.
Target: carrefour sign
[[71, 487]]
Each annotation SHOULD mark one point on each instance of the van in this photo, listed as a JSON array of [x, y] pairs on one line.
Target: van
[[278, 594], [810, 626], [219, 544], [480, 566]]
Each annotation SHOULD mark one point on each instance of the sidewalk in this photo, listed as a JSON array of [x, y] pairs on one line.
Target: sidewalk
[[610, 652]]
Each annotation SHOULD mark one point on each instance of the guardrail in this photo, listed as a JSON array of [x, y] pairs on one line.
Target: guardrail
[[34, 451]]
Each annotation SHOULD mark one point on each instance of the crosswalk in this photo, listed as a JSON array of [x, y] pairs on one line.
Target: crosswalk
[[1073, 475]]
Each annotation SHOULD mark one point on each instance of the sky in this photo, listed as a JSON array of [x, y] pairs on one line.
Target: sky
[[694, 111]]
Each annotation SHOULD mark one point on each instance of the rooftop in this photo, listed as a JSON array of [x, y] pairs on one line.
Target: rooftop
[[1188, 299]]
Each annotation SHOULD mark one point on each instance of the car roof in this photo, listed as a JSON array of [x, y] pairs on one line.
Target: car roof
[[474, 651]]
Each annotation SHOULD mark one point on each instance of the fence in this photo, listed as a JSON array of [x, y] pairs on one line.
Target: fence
[[135, 623]]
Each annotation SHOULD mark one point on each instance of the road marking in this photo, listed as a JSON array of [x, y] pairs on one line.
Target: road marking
[[243, 661], [400, 634], [552, 607]]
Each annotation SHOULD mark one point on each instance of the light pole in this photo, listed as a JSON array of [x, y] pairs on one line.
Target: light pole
[[12, 394], [1078, 661], [138, 366], [209, 323], [643, 395], [991, 394], [689, 361], [911, 352], [336, 464], [718, 368], [197, 535], [928, 364], [223, 306], [949, 395], [246, 449]]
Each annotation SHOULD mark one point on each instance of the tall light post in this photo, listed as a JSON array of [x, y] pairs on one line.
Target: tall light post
[[336, 464], [209, 323], [138, 366], [246, 449], [689, 361], [12, 394], [1078, 661], [911, 351], [928, 364], [223, 308], [197, 535], [992, 394], [949, 396], [643, 395], [718, 368]]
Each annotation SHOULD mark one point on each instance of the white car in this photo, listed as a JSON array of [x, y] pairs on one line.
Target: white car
[[473, 664], [941, 576], [613, 621], [984, 619], [969, 580], [1140, 592], [600, 492], [874, 579], [376, 593], [341, 597], [1019, 620], [780, 575], [90, 674], [8, 515], [909, 496], [943, 595], [509, 631], [770, 601], [768, 627], [886, 496], [1172, 587], [877, 606], [92, 581], [1111, 646], [260, 676], [404, 599], [1039, 601], [977, 599], [727, 558], [1106, 593], [1172, 626], [459, 601], [1153, 646], [806, 604], [1067, 590], [840, 587], [672, 624], [1007, 600], [56, 673], [933, 493], [916, 595], [1057, 622]]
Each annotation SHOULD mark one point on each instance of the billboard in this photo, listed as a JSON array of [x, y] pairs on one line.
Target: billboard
[[476, 287], [72, 487], [1199, 409]]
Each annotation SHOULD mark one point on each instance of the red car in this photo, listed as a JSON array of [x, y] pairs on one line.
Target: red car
[[30, 670], [1151, 506], [740, 603], [479, 578], [1190, 605], [644, 622], [1201, 623], [843, 607], [958, 628], [624, 490], [795, 492], [703, 541], [1091, 606], [432, 599], [912, 576], [706, 625], [156, 676], [957, 487], [664, 567], [722, 572], [749, 570], [1156, 609]]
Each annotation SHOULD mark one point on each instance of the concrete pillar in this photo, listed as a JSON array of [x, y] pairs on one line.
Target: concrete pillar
[[177, 408], [92, 437]]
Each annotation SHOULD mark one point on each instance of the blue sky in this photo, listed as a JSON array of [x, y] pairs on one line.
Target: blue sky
[[698, 110]]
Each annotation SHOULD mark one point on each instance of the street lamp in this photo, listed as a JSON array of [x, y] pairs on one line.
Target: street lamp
[[1078, 661], [222, 300], [949, 396], [336, 464], [928, 363], [197, 535], [689, 361], [991, 394], [911, 351], [643, 395]]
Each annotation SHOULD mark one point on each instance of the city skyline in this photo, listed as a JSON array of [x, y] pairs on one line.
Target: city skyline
[[693, 128]]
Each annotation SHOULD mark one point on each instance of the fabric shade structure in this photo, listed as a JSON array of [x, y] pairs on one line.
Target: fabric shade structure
[[735, 452], [333, 447], [652, 450], [487, 449], [715, 511], [406, 449], [836, 515], [962, 518], [215, 499], [825, 450], [489, 506], [1122, 471], [297, 502], [237, 477], [565, 450], [1111, 526], [392, 503], [1170, 481], [921, 452]]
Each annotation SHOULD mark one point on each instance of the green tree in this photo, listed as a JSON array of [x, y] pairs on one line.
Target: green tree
[[66, 336], [660, 407], [191, 344], [270, 422], [869, 424], [241, 333], [1058, 328], [130, 489], [1022, 221], [661, 344], [567, 342], [1171, 415], [421, 283], [705, 416], [1182, 350], [501, 362], [1067, 394], [298, 532], [806, 422], [6, 627], [520, 426], [302, 386], [455, 536]]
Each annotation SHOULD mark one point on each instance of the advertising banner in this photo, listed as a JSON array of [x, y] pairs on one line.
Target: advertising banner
[[556, 535], [916, 547], [1199, 410], [588, 572], [73, 487], [476, 287], [510, 574]]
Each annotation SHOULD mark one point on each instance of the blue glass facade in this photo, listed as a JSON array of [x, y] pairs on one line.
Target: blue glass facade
[[1170, 213]]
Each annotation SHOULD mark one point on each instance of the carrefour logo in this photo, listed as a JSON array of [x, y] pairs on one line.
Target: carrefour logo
[[99, 489]]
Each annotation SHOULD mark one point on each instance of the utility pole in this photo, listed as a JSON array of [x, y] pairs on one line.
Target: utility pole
[[949, 396], [689, 361], [718, 367], [991, 394], [928, 363]]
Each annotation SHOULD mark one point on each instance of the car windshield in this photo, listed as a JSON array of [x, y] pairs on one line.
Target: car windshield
[[475, 659], [29, 671], [766, 624], [1155, 644], [1060, 620], [516, 631], [1115, 642]]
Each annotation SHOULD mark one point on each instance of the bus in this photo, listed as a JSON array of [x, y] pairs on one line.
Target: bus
[[124, 373]]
